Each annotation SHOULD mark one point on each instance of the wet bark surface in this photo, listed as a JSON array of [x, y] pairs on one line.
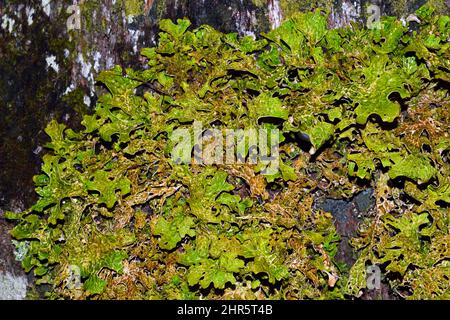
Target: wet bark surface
[[48, 72]]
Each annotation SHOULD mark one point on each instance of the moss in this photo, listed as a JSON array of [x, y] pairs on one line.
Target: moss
[[441, 6], [159, 9], [87, 12], [290, 7], [123, 202], [75, 99], [402, 8]]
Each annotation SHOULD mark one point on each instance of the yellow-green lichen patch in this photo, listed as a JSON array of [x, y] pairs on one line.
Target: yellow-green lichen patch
[[259, 3]]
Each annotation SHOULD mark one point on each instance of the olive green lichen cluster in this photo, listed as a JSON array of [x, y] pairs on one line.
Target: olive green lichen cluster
[[115, 209]]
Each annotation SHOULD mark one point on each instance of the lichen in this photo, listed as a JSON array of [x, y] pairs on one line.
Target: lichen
[[350, 108], [134, 7]]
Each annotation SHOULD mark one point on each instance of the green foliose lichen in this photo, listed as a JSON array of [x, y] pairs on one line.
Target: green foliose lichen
[[119, 217]]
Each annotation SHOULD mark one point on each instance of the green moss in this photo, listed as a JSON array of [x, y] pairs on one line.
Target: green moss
[[160, 8], [291, 7], [401, 8], [441, 6], [116, 204], [75, 99]]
